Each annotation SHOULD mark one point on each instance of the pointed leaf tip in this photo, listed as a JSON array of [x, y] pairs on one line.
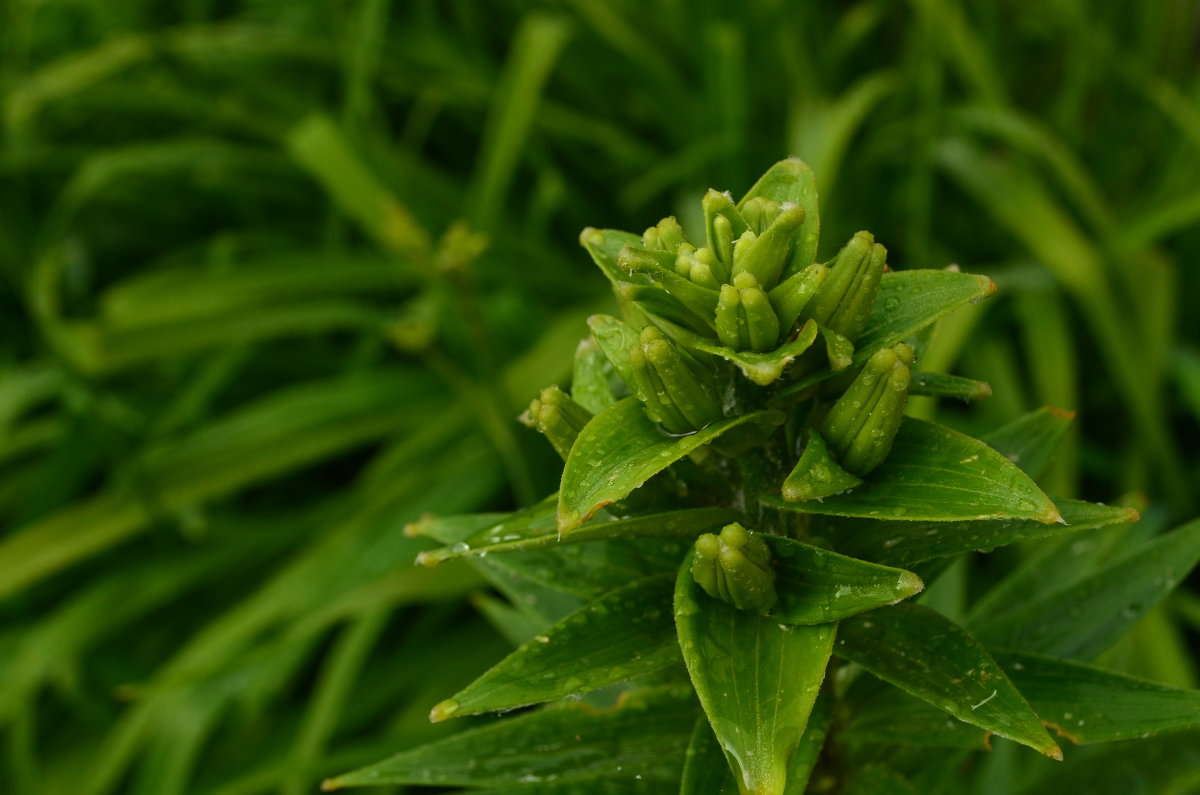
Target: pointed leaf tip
[[443, 710]]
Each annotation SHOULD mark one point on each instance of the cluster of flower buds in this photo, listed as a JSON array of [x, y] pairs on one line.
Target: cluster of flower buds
[[750, 287], [735, 567], [862, 424], [678, 392], [558, 417]]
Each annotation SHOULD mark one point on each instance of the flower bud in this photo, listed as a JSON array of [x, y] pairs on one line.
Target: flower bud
[[678, 396], [745, 320], [667, 236], [691, 267], [765, 255], [759, 212], [735, 567], [862, 424], [723, 224], [792, 294], [557, 417], [845, 300]]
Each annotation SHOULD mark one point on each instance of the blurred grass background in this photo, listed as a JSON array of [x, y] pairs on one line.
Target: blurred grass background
[[276, 277]]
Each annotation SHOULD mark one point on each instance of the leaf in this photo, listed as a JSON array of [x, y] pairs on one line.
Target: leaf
[[620, 449], [589, 379], [623, 634], [816, 586], [1031, 440], [1086, 704], [906, 543], [604, 245], [804, 760], [909, 301], [877, 779], [792, 181], [817, 473], [937, 474], [1158, 766], [892, 717], [645, 735], [1083, 619], [615, 339], [764, 368], [951, 386], [929, 656], [756, 678], [706, 767], [528, 533]]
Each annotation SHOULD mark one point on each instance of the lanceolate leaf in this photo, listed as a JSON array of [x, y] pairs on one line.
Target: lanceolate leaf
[[706, 772], [756, 678], [1086, 704], [541, 532], [905, 543], [936, 474], [804, 760], [604, 245], [951, 386], [1030, 441], [816, 586], [1085, 618], [645, 736], [615, 338], [910, 300], [925, 654], [589, 378], [621, 635], [620, 449]]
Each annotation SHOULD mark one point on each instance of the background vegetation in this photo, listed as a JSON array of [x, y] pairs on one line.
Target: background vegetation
[[277, 277]]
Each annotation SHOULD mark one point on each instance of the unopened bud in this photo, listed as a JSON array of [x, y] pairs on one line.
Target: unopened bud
[[759, 212], [735, 567], [845, 300], [862, 424], [667, 236], [721, 233], [745, 320], [766, 254], [793, 294], [557, 417], [679, 396]]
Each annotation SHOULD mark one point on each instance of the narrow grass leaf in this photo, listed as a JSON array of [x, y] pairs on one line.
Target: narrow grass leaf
[[929, 656]]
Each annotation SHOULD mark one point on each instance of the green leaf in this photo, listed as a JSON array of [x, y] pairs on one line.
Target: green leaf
[[615, 339], [645, 735], [892, 717], [1157, 766], [604, 245], [817, 473], [951, 386], [816, 586], [757, 680], [792, 181], [764, 368], [706, 772], [937, 474], [929, 656], [589, 380], [620, 449], [1030, 441], [1086, 704], [623, 634], [877, 779], [525, 532], [804, 760], [909, 301], [906, 543], [1083, 619]]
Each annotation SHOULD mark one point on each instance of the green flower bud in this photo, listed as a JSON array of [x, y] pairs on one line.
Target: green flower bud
[[721, 233], [557, 417], [759, 212], [862, 424], [735, 567], [766, 254], [690, 267], [667, 236], [745, 320], [793, 294], [679, 396], [845, 300]]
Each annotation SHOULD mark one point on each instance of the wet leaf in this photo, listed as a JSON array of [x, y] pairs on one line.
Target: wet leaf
[[816, 586], [706, 772], [937, 474], [623, 634], [645, 735], [757, 680], [792, 181], [1030, 441], [620, 449], [929, 656], [764, 368], [951, 386]]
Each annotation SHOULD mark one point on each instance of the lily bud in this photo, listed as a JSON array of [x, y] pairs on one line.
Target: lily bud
[[793, 294], [844, 301], [745, 320], [766, 254], [862, 424], [735, 567], [759, 212], [721, 234], [678, 396], [667, 236], [555, 415], [690, 267]]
